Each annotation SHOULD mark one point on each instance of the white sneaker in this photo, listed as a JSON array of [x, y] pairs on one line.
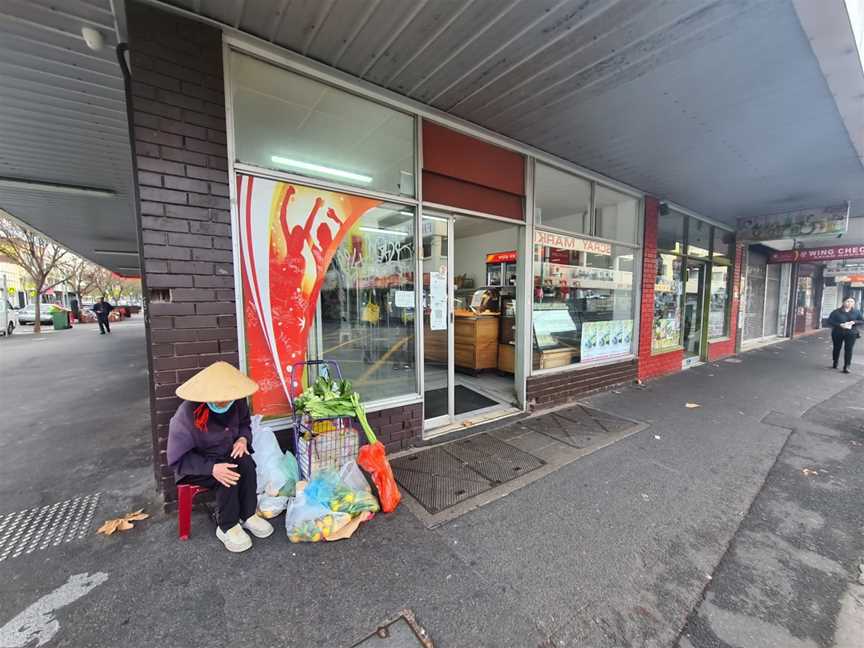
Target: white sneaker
[[235, 539], [258, 526]]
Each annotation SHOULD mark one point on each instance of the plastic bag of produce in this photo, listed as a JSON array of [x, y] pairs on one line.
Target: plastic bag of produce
[[344, 492], [292, 475], [308, 521]]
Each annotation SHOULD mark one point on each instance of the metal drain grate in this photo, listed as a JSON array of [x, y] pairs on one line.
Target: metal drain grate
[[47, 526], [579, 426], [493, 459], [443, 476]]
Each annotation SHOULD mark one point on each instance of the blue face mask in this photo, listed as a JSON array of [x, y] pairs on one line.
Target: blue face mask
[[220, 410]]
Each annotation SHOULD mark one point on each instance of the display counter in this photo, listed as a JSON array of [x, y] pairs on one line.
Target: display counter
[[475, 341]]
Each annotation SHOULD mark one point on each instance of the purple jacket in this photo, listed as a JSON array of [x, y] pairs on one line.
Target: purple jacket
[[193, 452]]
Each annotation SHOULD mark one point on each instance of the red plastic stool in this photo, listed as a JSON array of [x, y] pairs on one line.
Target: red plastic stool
[[185, 494]]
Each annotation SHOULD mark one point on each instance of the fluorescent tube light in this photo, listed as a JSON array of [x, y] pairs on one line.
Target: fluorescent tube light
[[319, 168], [119, 252], [53, 187], [375, 230]]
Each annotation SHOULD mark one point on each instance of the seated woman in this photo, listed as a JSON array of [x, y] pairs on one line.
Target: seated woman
[[209, 441]]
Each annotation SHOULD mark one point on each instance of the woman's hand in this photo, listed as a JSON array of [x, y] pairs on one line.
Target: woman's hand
[[240, 448], [224, 475]]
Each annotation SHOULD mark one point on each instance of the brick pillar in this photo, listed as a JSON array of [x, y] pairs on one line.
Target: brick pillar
[[178, 109], [651, 365]]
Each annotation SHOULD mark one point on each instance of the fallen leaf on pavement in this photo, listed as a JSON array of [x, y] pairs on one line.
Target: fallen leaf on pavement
[[692, 405], [808, 471], [123, 523]]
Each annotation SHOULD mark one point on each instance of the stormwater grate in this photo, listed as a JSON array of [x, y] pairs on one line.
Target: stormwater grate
[[580, 426], [38, 528], [446, 475], [495, 460]]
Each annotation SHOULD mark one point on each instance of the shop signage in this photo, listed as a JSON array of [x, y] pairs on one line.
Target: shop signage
[[501, 257], [818, 254], [855, 278], [573, 243], [839, 268], [602, 340], [805, 223]]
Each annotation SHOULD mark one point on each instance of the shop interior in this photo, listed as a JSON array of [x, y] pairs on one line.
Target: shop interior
[[484, 280]]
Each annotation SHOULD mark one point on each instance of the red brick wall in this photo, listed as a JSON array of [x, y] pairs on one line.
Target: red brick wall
[[651, 365]]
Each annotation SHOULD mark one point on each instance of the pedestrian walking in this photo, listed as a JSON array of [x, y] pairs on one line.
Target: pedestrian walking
[[844, 332], [209, 444], [103, 309]]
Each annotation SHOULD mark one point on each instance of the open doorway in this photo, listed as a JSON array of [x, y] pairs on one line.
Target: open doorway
[[470, 280]]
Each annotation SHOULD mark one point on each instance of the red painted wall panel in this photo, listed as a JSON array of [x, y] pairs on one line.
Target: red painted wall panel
[[458, 193], [453, 154]]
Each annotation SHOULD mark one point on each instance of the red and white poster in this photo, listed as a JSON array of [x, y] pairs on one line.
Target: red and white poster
[[289, 234]]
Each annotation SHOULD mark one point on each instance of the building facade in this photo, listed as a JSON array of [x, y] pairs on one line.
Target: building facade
[[288, 214]]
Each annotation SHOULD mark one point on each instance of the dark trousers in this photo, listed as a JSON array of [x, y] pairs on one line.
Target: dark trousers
[[104, 325], [846, 340], [236, 503]]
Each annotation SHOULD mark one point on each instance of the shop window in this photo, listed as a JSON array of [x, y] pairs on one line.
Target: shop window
[[668, 295], [698, 238], [670, 232], [718, 305], [616, 215], [562, 201], [723, 246], [366, 314], [291, 123], [583, 301]]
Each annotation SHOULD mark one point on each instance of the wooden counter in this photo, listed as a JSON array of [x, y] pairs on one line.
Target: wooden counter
[[475, 340]]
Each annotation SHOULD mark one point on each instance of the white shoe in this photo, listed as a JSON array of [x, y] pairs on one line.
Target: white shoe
[[235, 539], [258, 526]]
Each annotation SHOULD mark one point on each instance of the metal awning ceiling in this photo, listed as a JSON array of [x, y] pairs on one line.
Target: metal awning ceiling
[[718, 105], [63, 122]]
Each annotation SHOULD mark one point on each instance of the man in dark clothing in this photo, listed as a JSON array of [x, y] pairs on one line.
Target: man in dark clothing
[[844, 332], [102, 309]]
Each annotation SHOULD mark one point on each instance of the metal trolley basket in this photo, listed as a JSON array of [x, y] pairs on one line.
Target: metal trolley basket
[[322, 442]]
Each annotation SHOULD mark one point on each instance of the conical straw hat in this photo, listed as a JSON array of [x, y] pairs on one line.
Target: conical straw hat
[[217, 383]]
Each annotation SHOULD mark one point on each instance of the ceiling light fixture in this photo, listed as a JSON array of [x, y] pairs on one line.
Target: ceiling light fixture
[[375, 230], [93, 38], [53, 187], [118, 252], [319, 168]]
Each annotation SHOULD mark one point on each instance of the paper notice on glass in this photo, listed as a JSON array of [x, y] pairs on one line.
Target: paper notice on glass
[[437, 301], [404, 299]]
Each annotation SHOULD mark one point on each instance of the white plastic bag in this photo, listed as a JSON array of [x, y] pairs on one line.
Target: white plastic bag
[[269, 468]]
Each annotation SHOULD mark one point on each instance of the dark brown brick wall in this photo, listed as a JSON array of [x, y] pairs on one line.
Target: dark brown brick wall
[[178, 112], [557, 388], [398, 427]]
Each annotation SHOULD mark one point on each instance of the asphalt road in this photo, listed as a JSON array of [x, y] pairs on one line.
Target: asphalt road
[[617, 549]]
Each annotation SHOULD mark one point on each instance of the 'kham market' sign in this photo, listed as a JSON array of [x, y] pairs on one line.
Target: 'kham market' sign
[[805, 223]]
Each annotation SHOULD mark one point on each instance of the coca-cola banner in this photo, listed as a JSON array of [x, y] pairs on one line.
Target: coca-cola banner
[[818, 254], [288, 236]]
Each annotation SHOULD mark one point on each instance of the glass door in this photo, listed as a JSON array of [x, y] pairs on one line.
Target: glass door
[[437, 299], [694, 301]]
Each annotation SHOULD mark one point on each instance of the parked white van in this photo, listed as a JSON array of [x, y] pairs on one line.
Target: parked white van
[[8, 317]]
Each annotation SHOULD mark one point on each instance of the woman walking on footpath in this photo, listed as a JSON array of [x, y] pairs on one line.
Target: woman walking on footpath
[[844, 332]]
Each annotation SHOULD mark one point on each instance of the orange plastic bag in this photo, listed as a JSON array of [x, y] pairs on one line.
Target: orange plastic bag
[[373, 459]]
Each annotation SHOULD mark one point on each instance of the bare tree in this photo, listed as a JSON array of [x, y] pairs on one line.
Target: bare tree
[[106, 283], [81, 274], [41, 259]]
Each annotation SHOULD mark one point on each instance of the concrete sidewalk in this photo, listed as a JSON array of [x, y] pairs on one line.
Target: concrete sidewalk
[[615, 549]]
